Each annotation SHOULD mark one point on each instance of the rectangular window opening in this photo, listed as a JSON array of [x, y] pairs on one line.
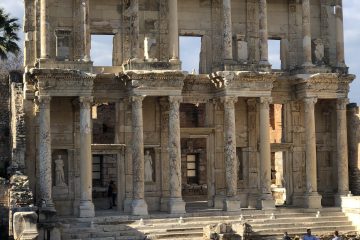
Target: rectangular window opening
[[275, 53], [191, 168], [190, 50], [97, 170], [276, 123], [102, 50]]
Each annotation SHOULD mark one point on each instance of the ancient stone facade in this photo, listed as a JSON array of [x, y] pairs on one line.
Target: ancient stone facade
[[235, 135]]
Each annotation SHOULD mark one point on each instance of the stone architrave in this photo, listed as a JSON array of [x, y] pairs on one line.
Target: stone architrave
[[263, 32], [86, 208], [342, 150], [266, 200], [306, 25], [312, 198], [228, 52], [176, 203], [231, 203], [45, 154], [173, 31], [138, 205]]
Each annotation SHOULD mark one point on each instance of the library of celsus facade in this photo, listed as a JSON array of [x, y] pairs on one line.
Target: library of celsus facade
[[239, 134]]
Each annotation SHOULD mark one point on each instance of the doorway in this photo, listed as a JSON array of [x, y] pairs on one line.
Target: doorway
[[278, 182]]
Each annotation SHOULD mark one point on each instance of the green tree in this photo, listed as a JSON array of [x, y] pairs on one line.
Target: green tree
[[8, 35]]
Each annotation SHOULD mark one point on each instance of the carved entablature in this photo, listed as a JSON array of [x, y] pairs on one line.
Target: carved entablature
[[323, 85], [154, 83], [198, 89], [62, 83], [109, 87], [243, 84]]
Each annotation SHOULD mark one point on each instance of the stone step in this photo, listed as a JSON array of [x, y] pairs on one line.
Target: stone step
[[298, 230]]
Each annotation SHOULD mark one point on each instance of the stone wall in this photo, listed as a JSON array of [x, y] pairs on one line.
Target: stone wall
[[4, 124], [353, 141]]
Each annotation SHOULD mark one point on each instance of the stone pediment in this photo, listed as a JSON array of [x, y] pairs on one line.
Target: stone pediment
[[323, 85], [154, 83], [243, 84], [60, 82]]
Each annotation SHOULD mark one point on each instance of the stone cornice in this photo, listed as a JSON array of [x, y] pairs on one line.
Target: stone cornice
[[244, 83], [323, 85]]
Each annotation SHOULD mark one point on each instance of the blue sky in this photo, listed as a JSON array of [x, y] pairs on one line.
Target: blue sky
[[351, 31]]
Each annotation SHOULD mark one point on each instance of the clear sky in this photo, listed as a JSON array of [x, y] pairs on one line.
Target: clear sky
[[351, 31]]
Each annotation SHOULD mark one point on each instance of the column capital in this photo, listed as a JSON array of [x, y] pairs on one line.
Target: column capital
[[85, 101], [341, 103], [310, 100], [175, 99], [265, 100], [44, 101], [229, 101], [137, 100]]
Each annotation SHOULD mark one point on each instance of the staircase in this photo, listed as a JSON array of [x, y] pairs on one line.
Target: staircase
[[166, 227]]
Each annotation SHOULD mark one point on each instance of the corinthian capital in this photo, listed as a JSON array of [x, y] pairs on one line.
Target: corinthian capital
[[136, 101], [341, 103], [85, 102], [229, 101], [44, 101]]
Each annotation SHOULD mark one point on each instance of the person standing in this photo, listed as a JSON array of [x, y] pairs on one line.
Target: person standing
[[308, 235], [112, 194], [286, 236], [336, 235]]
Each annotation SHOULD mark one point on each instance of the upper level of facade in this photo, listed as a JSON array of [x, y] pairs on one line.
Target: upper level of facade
[[234, 33]]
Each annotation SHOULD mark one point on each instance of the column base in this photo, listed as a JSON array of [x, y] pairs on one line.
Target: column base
[[139, 207], [312, 200], [86, 209], [232, 205], [219, 201], [265, 204], [176, 206]]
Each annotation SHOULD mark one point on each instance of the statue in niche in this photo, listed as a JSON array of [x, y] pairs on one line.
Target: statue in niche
[[59, 172], [148, 166], [319, 51]]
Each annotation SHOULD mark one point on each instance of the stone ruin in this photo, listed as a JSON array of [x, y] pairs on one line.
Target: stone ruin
[[227, 231]]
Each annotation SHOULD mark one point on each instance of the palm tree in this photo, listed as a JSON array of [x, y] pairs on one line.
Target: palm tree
[[8, 35]]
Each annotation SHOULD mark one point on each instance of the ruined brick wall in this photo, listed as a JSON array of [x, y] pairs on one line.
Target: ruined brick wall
[[353, 119], [4, 123]]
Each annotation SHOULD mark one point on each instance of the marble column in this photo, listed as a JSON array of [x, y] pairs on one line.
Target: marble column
[[340, 58], [135, 30], [263, 33], [44, 30], [228, 50], [85, 28], [138, 205], [176, 203], [232, 202], [45, 164], [312, 198], [266, 200], [342, 150], [173, 31], [86, 208], [306, 25]]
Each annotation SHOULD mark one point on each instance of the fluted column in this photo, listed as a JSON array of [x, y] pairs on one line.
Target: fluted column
[[306, 25], [342, 150], [340, 58], [44, 30], [139, 206], [45, 154], [173, 31], [231, 203], [266, 200], [312, 198], [86, 208], [263, 32], [228, 51], [176, 203], [84, 26]]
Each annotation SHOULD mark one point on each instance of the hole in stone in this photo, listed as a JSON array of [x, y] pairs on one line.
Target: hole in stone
[[190, 53], [274, 53], [102, 50]]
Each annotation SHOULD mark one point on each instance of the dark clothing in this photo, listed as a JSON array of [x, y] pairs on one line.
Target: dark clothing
[[112, 194], [286, 238]]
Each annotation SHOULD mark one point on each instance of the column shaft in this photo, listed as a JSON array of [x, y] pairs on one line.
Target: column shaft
[[84, 22], [342, 148], [339, 36], [45, 153], [228, 51], [44, 30], [176, 204], [135, 28], [310, 140], [139, 206], [265, 154], [306, 24], [173, 30], [231, 164], [86, 205], [263, 32]]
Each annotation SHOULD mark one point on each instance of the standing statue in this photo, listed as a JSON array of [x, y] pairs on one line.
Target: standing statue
[[59, 172], [148, 162]]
